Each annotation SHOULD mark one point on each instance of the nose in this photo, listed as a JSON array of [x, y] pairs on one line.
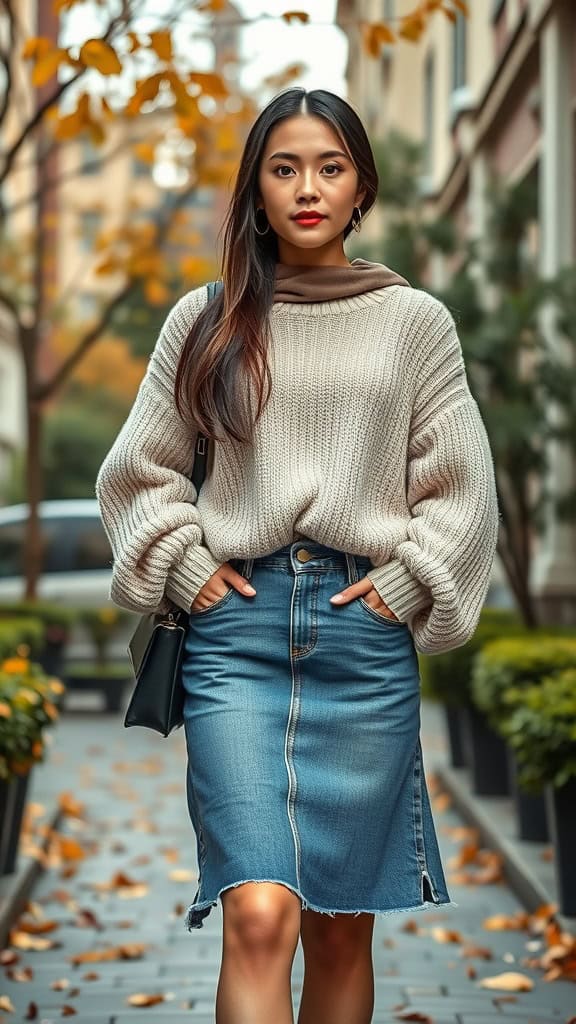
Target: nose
[[307, 186]]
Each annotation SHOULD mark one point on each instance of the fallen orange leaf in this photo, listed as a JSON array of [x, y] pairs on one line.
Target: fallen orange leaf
[[20, 973], [181, 875], [446, 935], [70, 806], [37, 927], [145, 999], [7, 957], [22, 940], [471, 950], [414, 1015], [132, 951], [504, 922], [509, 981]]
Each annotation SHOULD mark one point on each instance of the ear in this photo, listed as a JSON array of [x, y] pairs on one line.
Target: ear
[[360, 196]]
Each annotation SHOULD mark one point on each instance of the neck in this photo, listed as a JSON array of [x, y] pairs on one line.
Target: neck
[[310, 259]]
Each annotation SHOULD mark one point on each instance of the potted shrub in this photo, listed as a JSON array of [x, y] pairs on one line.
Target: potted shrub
[[29, 702], [103, 625], [57, 622], [23, 636], [510, 664], [541, 729], [447, 678]]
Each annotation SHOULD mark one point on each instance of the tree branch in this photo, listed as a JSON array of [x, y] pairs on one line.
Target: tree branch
[[10, 304], [33, 123], [50, 386], [53, 183], [59, 91], [5, 58]]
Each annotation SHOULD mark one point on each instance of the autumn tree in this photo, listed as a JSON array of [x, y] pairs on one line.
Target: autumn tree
[[58, 91]]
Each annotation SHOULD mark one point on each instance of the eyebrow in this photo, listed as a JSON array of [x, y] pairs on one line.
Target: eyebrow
[[322, 156]]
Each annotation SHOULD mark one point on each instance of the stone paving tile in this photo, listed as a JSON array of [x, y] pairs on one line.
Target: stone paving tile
[[137, 777]]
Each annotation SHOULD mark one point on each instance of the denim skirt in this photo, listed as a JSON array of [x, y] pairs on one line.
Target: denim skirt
[[302, 724]]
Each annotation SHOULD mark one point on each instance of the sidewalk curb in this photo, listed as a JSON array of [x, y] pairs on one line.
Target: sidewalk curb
[[521, 879], [15, 889]]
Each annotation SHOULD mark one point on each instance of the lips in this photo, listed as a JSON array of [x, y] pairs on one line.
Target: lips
[[304, 218]]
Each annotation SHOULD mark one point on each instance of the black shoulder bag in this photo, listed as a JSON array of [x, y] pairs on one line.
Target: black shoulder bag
[[156, 647]]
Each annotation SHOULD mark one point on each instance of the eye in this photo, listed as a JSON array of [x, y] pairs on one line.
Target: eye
[[334, 167], [282, 167]]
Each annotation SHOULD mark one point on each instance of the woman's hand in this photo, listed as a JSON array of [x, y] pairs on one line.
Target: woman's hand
[[364, 588], [215, 587]]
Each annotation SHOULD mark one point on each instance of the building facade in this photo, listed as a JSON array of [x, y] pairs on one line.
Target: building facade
[[491, 94]]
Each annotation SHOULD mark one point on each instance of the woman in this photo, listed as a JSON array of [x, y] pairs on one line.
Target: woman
[[349, 519]]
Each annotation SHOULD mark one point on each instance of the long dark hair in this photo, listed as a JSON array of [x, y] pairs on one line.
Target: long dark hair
[[226, 349]]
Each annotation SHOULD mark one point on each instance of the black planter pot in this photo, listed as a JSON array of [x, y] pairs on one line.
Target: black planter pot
[[13, 795], [531, 814], [456, 746], [51, 657], [488, 757], [561, 806], [112, 687]]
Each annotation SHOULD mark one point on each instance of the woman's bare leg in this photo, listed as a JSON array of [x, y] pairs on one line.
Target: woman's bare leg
[[260, 936], [339, 973]]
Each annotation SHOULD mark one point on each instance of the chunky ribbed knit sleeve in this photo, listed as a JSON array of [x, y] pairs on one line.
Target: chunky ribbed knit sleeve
[[439, 575], [146, 499]]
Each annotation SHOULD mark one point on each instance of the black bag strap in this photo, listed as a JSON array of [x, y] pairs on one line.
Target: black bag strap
[[201, 449]]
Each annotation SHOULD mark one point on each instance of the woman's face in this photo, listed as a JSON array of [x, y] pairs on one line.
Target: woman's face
[[306, 168]]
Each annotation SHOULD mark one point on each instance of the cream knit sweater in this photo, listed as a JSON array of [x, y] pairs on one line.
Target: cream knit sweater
[[371, 443]]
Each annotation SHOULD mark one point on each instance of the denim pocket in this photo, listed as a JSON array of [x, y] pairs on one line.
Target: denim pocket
[[376, 615], [215, 604]]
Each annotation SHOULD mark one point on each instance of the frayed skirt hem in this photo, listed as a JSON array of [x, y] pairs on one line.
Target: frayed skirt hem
[[194, 917]]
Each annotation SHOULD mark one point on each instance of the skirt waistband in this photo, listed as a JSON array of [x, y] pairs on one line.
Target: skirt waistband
[[303, 555]]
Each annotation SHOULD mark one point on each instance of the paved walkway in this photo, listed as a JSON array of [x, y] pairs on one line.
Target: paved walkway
[[132, 785]]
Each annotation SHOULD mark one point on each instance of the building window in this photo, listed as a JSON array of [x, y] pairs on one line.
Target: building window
[[86, 306], [140, 168], [459, 57], [89, 228], [497, 8], [428, 108], [90, 157]]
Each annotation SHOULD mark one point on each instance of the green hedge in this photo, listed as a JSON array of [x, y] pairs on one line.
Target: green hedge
[[540, 727], [50, 613], [516, 662], [446, 677], [20, 631]]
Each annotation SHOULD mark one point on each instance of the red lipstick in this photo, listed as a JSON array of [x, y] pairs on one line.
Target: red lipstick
[[309, 218]]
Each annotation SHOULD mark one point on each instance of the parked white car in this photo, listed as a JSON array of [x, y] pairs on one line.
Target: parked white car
[[76, 557]]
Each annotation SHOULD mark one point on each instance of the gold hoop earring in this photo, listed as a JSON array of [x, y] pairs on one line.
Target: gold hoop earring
[[357, 224], [260, 210]]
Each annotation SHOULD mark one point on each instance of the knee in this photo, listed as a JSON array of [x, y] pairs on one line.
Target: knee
[[261, 920], [337, 943]]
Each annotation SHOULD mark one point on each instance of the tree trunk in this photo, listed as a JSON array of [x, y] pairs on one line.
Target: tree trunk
[[33, 541]]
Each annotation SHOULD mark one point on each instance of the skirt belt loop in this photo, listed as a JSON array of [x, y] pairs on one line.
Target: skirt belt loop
[[352, 568]]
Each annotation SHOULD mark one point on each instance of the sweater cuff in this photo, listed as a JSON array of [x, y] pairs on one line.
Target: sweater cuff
[[399, 590], [187, 577]]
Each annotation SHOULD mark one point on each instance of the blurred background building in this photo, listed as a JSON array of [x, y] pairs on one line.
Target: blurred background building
[[490, 95]]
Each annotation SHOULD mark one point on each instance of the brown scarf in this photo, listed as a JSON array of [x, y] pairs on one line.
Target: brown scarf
[[320, 284]]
